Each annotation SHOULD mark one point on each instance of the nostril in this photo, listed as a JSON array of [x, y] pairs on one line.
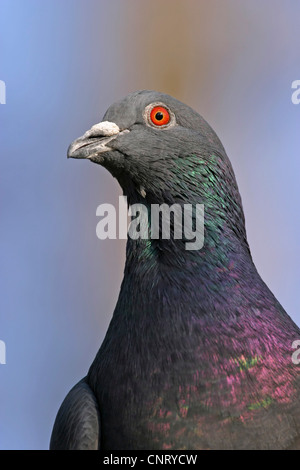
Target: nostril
[[103, 129]]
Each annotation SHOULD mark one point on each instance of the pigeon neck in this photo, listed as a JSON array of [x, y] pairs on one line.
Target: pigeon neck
[[218, 254], [173, 280], [211, 241]]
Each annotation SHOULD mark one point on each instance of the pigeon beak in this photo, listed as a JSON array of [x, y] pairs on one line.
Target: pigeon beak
[[95, 140]]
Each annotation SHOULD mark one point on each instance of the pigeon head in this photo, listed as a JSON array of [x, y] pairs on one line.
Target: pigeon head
[[146, 141], [162, 151]]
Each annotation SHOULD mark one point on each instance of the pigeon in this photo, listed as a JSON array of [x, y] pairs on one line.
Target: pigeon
[[199, 353]]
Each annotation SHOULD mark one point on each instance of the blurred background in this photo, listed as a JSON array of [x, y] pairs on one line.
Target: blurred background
[[64, 62]]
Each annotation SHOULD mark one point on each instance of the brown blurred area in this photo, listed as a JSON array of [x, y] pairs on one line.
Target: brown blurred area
[[163, 49], [191, 48]]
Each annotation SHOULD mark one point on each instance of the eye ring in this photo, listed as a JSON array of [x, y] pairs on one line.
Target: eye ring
[[159, 116]]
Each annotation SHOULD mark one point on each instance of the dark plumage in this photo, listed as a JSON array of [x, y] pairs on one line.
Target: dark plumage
[[198, 354]]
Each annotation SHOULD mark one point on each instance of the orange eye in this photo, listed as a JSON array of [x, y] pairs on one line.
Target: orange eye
[[160, 116]]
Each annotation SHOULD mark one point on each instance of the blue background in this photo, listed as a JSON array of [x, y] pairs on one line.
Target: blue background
[[64, 62]]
